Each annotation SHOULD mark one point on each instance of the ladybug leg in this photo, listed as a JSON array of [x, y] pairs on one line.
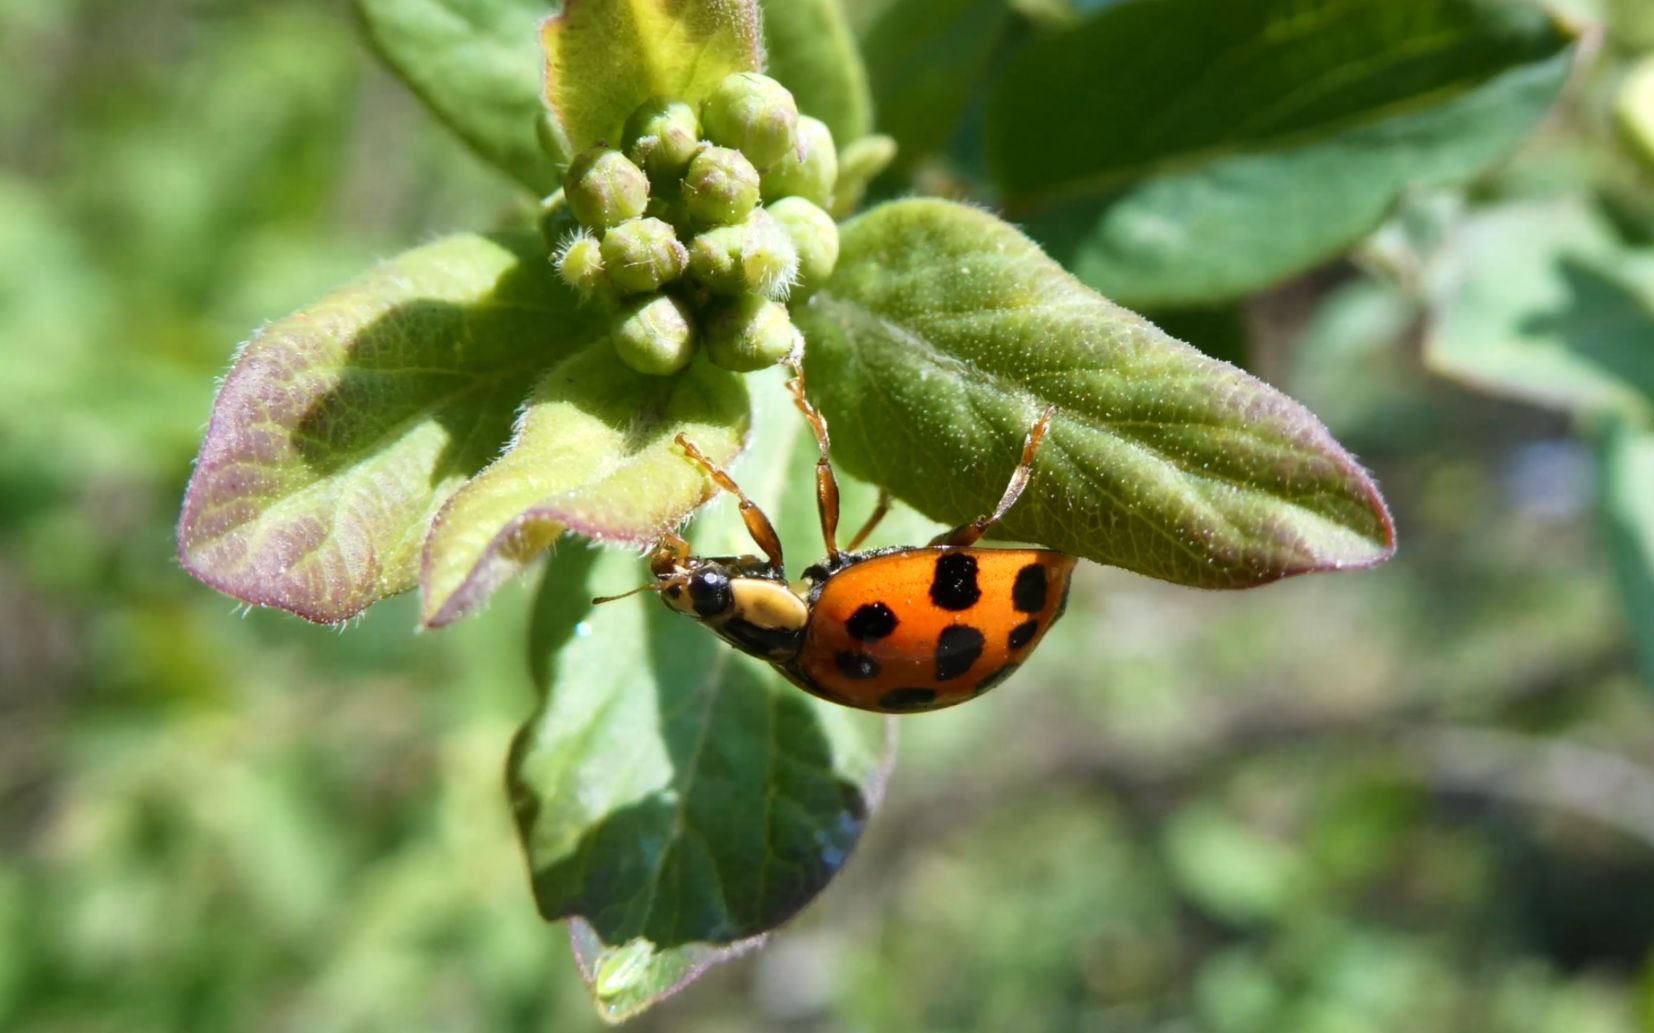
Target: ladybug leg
[[758, 525], [826, 483], [967, 534], [879, 510]]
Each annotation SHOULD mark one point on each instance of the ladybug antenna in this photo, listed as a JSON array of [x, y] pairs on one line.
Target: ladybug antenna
[[653, 586]]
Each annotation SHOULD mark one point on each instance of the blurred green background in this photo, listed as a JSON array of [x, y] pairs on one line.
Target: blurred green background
[[1420, 798]]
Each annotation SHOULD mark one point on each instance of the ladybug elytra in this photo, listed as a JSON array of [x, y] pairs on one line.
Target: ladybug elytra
[[893, 630]]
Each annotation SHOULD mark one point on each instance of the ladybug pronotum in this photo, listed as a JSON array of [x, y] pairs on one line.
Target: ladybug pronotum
[[893, 630]]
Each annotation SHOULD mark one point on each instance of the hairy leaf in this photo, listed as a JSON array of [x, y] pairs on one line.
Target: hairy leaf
[[680, 798], [594, 454], [945, 332], [1541, 301], [342, 429], [812, 52], [477, 66], [605, 57], [1626, 473], [1204, 151]]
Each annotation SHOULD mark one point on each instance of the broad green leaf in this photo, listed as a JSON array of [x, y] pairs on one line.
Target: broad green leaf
[[1634, 109], [811, 51], [476, 64], [594, 454], [1177, 152], [342, 429], [945, 332], [603, 59], [678, 798], [1625, 465], [924, 58], [1540, 301]]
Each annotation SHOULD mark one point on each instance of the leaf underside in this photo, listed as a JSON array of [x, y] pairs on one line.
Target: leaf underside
[[342, 429], [944, 333]]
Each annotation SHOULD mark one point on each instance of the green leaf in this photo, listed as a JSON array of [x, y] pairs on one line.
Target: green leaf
[[1540, 301], [605, 57], [943, 334], [924, 58], [594, 454], [1634, 111], [678, 797], [811, 51], [1625, 464], [1179, 152], [476, 64], [342, 429]]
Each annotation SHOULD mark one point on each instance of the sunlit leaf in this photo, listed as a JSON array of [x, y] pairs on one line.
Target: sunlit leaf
[[604, 59], [677, 796], [1540, 301], [342, 429], [1179, 152], [476, 64], [945, 332], [593, 453]]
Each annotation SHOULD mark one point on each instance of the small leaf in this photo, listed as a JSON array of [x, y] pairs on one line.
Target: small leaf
[[594, 454], [945, 332], [1540, 301], [1183, 153], [1625, 463], [924, 57], [342, 429], [812, 52], [605, 57], [477, 66], [679, 798]]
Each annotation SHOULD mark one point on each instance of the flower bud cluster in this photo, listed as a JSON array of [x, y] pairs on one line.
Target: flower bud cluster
[[700, 226]]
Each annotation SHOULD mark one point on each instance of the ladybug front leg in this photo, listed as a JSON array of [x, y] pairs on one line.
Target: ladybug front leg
[[758, 525], [967, 534]]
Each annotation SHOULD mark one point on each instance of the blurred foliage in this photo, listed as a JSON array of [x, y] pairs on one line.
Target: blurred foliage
[[1417, 798]]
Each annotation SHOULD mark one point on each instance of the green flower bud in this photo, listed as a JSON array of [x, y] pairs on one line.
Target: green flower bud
[[656, 335], [605, 189], [721, 187], [753, 114], [748, 332], [580, 264], [642, 254], [808, 170], [755, 257], [814, 235], [661, 136]]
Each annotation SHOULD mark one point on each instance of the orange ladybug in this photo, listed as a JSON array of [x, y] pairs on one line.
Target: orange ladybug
[[894, 630]]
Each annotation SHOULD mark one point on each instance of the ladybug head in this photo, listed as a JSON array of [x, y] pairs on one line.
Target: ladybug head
[[702, 591]]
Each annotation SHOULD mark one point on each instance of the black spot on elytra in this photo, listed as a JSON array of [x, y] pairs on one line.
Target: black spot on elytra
[[995, 678], [907, 699], [955, 587], [1028, 594], [1022, 634], [957, 648], [870, 621], [856, 665]]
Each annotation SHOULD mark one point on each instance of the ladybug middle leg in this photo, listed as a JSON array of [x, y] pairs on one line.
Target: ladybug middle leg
[[758, 525], [968, 534], [826, 483]]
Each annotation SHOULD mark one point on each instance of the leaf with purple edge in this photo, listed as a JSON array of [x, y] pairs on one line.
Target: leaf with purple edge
[[605, 58], [943, 334], [593, 454], [342, 429]]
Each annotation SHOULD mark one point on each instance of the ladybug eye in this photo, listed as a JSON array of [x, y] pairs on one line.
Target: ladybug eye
[[710, 594], [674, 591]]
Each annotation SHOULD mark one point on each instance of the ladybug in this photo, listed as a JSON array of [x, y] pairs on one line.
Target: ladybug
[[894, 630]]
